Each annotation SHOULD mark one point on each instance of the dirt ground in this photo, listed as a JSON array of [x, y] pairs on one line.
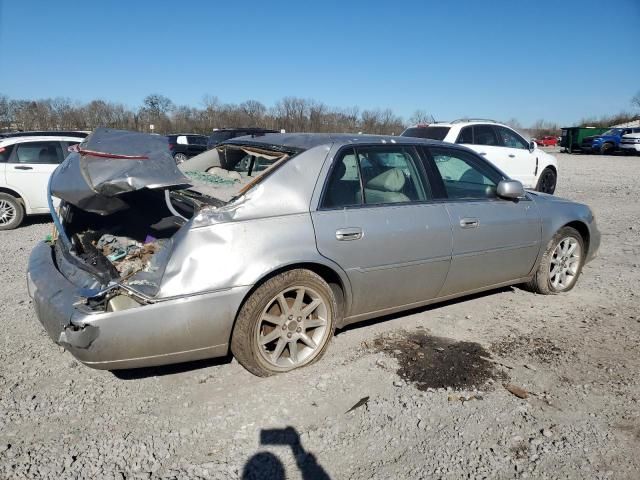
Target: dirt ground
[[417, 395]]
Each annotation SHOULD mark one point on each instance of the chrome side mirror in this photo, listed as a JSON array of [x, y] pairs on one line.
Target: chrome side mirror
[[532, 146], [510, 189]]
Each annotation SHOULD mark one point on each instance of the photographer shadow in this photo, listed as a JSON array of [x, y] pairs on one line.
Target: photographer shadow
[[265, 465]]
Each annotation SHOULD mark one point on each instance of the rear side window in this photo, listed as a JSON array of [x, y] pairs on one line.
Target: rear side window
[[38, 152], [464, 176], [197, 140], [485, 135], [5, 153], [375, 176], [466, 136], [434, 133]]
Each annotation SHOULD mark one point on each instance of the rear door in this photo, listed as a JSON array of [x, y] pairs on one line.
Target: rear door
[[494, 240], [378, 221], [28, 170]]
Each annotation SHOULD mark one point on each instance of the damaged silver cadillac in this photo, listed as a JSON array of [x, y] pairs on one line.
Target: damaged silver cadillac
[[146, 269]]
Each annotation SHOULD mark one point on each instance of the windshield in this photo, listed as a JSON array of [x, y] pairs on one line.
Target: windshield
[[434, 133], [613, 131]]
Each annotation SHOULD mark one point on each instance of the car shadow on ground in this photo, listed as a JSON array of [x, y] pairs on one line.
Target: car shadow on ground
[[173, 369], [177, 368], [426, 308]]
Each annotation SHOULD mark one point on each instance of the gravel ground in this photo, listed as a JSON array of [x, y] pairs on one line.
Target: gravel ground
[[577, 355]]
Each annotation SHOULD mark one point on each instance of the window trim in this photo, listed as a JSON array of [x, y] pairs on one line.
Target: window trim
[[495, 132]]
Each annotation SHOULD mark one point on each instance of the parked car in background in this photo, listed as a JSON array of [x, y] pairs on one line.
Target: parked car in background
[[630, 143], [27, 159], [547, 141], [186, 145], [607, 142], [522, 160], [310, 245]]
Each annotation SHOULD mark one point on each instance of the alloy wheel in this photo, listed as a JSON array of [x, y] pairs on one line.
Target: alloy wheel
[[293, 327], [7, 212], [565, 263]]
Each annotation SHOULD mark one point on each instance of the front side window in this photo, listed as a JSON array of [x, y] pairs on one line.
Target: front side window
[[375, 176], [485, 135], [511, 139], [39, 152], [464, 176]]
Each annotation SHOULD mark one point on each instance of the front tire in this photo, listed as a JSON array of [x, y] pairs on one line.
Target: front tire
[[11, 212], [547, 181], [561, 263], [285, 324]]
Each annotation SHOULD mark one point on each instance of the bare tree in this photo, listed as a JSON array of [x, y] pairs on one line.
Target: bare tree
[[635, 101], [421, 116]]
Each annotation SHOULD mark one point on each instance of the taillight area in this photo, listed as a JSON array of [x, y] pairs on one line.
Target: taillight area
[[172, 146]]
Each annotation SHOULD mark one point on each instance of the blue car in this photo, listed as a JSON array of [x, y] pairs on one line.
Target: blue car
[[608, 142]]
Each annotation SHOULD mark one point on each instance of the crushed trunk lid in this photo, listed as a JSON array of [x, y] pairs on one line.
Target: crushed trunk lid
[[109, 163]]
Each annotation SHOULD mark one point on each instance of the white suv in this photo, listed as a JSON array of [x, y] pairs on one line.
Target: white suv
[[630, 143], [501, 145], [26, 163]]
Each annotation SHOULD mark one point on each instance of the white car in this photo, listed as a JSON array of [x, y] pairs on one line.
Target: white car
[[630, 143], [27, 160], [501, 145]]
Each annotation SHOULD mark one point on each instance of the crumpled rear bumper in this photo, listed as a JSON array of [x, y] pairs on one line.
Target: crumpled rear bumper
[[170, 331]]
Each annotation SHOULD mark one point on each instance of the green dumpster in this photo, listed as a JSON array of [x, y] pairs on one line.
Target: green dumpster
[[572, 136]]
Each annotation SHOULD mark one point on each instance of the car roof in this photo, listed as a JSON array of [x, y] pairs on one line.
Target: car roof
[[36, 138], [50, 133], [305, 141], [458, 122], [244, 129], [185, 134]]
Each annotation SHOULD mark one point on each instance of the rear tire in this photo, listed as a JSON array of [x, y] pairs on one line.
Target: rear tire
[[11, 212], [561, 264], [547, 181], [286, 323]]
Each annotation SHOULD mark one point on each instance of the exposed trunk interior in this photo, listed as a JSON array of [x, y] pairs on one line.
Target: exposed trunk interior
[[119, 245]]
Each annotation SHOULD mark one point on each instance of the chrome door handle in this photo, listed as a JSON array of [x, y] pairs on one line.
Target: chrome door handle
[[482, 153], [346, 234], [469, 222], [511, 155]]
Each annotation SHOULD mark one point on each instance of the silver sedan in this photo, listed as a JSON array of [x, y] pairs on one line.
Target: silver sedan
[[147, 269]]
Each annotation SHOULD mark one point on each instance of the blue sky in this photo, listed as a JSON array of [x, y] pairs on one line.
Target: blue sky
[[559, 60]]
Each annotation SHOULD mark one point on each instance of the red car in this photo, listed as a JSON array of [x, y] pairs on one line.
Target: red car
[[547, 141]]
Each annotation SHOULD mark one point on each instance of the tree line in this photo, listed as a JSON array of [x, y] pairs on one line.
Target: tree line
[[290, 113]]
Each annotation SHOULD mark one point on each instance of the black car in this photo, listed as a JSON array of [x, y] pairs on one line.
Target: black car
[[219, 136], [186, 145]]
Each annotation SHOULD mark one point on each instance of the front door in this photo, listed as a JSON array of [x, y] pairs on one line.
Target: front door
[[29, 168], [494, 240], [377, 221]]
